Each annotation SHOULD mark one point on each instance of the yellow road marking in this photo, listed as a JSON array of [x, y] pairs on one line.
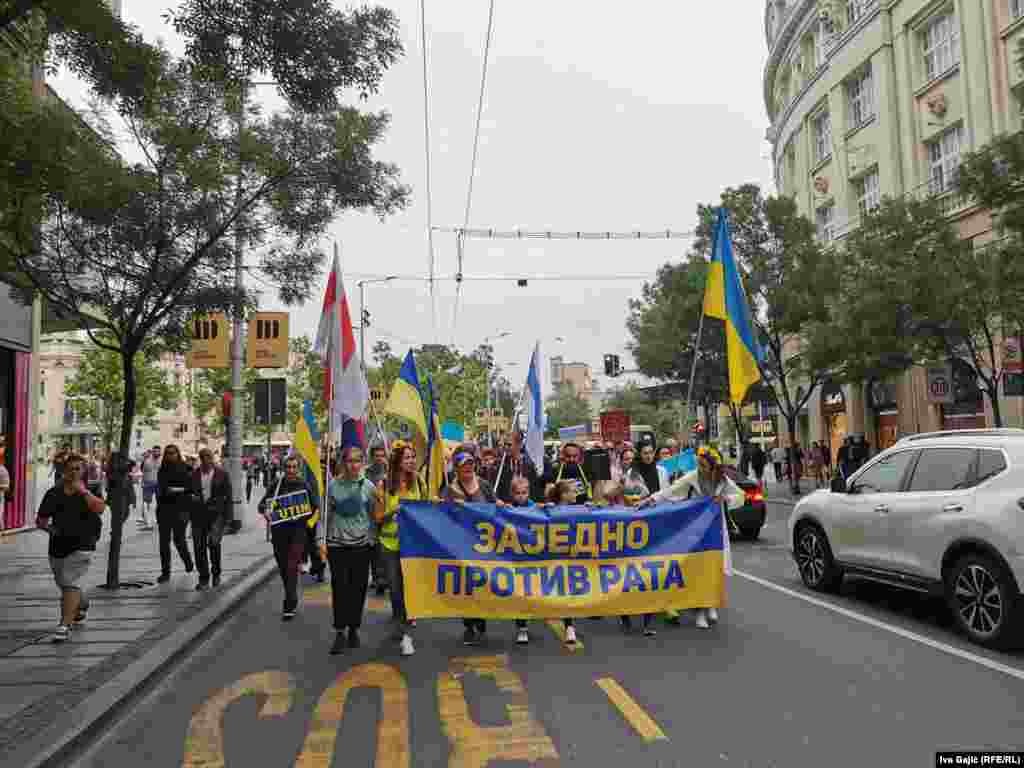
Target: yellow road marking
[[474, 746], [642, 723], [392, 728], [559, 629], [204, 745]]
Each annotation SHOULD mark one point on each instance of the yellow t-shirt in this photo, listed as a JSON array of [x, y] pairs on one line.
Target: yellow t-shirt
[[387, 533]]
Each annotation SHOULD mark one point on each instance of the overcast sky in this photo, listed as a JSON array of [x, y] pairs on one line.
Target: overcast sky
[[597, 116]]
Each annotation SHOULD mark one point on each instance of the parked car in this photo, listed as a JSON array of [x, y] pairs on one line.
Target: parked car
[[939, 513], [750, 517]]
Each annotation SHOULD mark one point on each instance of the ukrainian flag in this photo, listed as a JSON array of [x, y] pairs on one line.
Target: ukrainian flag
[[725, 299], [435, 449], [307, 438], [405, 401]]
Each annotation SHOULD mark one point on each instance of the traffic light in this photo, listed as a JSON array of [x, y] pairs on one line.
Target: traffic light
[[366, 318], [609, 365], [616, 365]]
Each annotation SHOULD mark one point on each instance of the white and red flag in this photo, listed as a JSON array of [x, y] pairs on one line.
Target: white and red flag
[[345, 389]]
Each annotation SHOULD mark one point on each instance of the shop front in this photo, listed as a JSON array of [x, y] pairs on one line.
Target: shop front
[[882, 401], [15, 408], [833, 415], [968, 408]]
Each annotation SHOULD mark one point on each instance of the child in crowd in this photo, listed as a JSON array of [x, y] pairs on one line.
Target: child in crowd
[[564, 492]]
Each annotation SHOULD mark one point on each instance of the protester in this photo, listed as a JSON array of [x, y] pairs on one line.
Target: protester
[[814, 464], [212, 488], [402, 484], [289, 536], [778, 457], [519, 496], [515, 463], [351, 537], [72, 515], [468, 486], [250, 478], [59, 459], [564, 493], [375, 472], [758, 459], [653, 476], [570, 469], [173, 507], [150, 484], [709, 481]]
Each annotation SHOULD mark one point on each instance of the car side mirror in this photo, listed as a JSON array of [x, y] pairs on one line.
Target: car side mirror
[[838, 485]]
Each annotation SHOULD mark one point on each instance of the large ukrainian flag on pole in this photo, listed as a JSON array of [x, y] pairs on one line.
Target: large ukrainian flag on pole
[[406, 403], [725, 299]]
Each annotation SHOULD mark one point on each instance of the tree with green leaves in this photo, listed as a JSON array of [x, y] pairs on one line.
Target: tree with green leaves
[[98, 390], [136, 248], [566, 408]]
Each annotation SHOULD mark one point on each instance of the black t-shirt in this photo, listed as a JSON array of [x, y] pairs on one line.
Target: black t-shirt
[[75, 528]]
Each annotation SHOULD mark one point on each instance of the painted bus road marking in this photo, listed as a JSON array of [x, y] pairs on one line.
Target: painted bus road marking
[[204, 745], [473, 746], [392, 728], [642, 723], [559, 629]]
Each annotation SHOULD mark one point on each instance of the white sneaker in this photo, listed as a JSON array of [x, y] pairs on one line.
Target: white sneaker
[[523, 638], [702, 619], [713, 615], [62, 633], [407, 649], [570, 635]]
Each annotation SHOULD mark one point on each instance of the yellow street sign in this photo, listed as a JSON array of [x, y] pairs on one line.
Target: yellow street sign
[[211, 335], [267, 343]]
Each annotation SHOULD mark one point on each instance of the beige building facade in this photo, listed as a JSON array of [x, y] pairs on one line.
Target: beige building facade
[[875, 98]]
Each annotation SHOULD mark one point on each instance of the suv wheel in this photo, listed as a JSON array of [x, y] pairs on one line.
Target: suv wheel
[[814, 559], [982, 597]]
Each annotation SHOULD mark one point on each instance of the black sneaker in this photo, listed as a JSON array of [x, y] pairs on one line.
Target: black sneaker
[[81, 617], [649, 630], [339, 645], [216, 581], [288, 615], [202, 586], [353, 638], [189, 566], [163, 578], [469, 637], [626, 623]]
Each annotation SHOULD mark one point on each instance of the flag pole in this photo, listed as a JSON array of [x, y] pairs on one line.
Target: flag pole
[[515, 413], [693, 374]]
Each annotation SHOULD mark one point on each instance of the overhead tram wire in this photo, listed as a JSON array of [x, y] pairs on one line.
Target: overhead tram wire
[[522, 234], [426, 139], [472, 167]]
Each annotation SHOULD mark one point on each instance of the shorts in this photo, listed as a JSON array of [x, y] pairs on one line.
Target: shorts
[[148, 492], [69, 571]]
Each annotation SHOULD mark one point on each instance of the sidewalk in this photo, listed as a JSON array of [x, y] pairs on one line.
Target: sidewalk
[[129, 636]]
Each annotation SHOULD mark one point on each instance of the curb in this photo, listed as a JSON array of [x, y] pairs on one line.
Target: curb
[[57, 741]]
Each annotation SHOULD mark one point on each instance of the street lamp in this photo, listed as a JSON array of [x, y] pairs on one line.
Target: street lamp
[[362, 313]]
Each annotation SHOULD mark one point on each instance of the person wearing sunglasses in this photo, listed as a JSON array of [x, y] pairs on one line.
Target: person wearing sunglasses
[[707, 481], [468, 486]]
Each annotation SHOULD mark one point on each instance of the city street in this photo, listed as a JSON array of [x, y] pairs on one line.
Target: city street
[[870, 677]]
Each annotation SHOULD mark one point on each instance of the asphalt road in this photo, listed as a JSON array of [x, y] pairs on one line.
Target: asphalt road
[[782, 681]]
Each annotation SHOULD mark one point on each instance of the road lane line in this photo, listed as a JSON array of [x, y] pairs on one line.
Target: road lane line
[[642, 723], [877, 624]]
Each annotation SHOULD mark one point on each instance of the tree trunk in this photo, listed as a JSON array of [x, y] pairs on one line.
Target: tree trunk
[[119, 472], [794, 477], [992, 390]]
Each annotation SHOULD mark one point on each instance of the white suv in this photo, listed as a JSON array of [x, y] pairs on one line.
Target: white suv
[[940, 513]]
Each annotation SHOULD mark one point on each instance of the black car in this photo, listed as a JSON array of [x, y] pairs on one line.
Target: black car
[[750, 517]]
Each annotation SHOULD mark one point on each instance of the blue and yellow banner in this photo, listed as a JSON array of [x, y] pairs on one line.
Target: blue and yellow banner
[[289, 507], [484, 561]]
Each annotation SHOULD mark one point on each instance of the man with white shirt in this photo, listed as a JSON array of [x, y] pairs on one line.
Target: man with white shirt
[[212, 489]]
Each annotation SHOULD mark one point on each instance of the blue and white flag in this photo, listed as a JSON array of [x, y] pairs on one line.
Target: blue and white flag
[[533, 407]]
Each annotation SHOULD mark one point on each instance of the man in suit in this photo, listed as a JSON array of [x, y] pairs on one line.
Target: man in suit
[[212, 489]]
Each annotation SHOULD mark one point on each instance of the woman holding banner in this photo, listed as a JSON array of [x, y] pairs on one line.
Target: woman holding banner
[[288, 507], [402, 484], [708, 481], [351, 499]]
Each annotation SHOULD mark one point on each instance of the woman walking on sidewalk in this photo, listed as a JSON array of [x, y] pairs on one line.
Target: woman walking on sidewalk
[[350, 545], [173, 508], [72, 516], [402, 484], [289, 536]]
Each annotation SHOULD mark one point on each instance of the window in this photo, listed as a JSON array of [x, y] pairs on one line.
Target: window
[[990, 464], [944, 160], [860, 97], [1016, 9], [943, 469], [822, 137], [869, 192], [941, 40], [857, 9], [885, 475], [824, 219]]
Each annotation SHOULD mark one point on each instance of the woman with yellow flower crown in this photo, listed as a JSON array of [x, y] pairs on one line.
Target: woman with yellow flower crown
[[708, 481]]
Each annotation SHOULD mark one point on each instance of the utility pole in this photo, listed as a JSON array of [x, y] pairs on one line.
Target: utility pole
[[234, 458]]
